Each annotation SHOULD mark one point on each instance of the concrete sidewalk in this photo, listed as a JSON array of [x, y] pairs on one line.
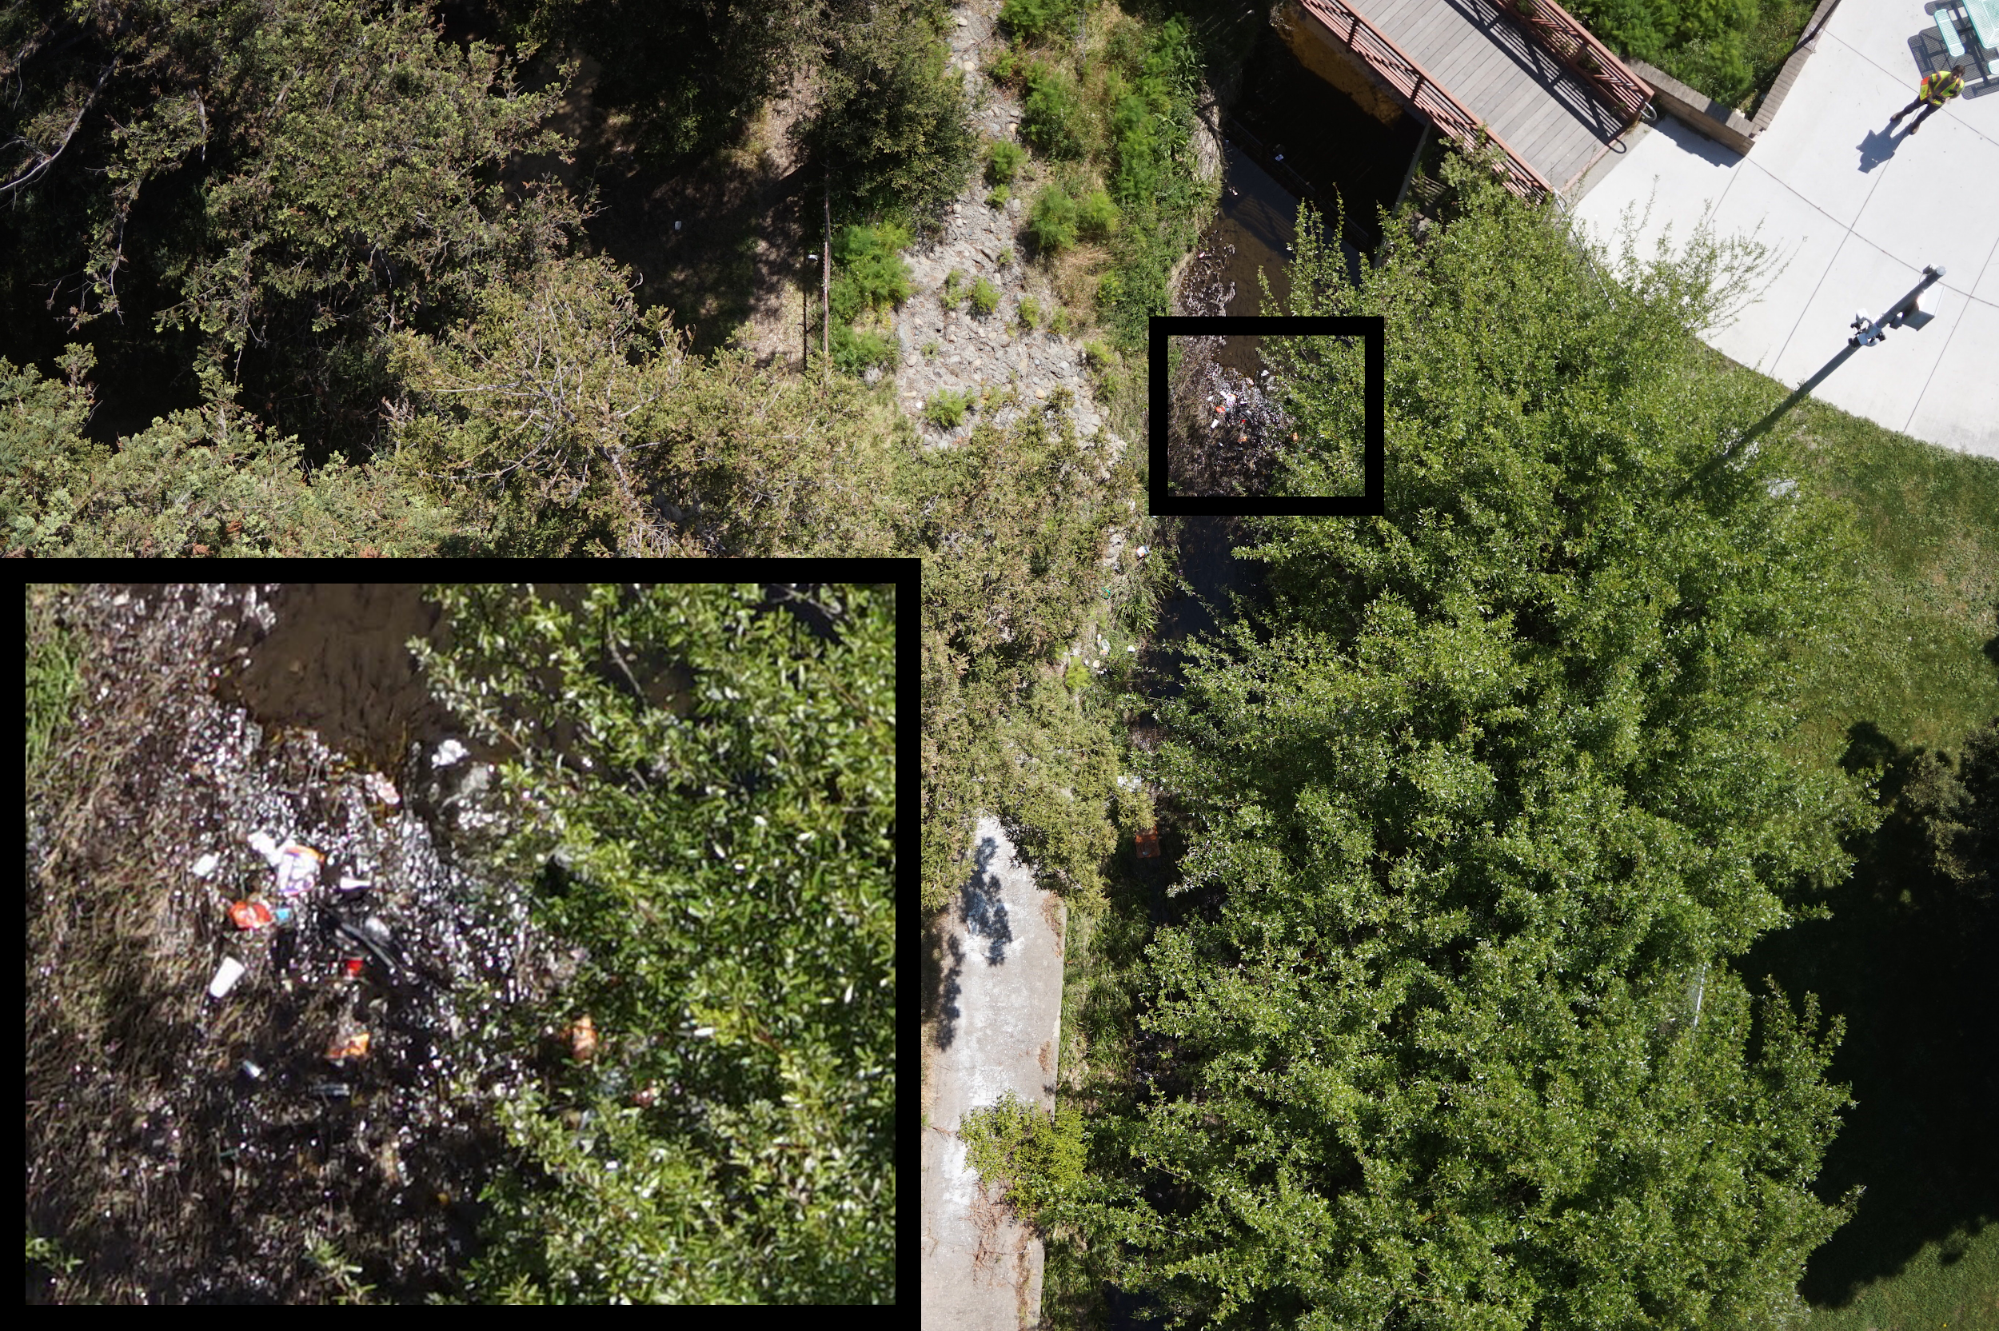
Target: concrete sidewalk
[[1857, 210], [998, 1028]]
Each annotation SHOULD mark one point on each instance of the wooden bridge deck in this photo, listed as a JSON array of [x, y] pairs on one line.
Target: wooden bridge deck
[[1548, 115]]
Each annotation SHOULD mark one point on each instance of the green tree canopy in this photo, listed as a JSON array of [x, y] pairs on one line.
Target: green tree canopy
[[892, 120], [731, 872], [213, 481], [282, 181], [1480, 808]]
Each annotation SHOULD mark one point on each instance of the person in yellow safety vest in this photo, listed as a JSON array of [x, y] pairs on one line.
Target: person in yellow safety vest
[[1937, 87]]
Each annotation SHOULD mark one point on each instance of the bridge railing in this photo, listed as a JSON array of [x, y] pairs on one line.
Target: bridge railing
[[1414, 82], [1577, 47]]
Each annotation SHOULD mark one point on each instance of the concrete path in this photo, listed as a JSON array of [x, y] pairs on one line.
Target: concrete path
[[1857, 210], [1000, 1007]]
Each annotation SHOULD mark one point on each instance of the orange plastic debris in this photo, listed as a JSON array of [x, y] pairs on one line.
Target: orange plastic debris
[[582, 1035], [1148, 844], [354, 1046]]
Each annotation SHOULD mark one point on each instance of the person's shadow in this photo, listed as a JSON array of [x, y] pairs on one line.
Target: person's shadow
[[983, 908], [1877, 147]]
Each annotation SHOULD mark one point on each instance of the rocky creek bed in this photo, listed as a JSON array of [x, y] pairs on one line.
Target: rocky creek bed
[[974, 353]]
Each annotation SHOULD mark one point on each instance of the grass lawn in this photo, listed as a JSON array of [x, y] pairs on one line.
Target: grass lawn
[[1901, 958], [1922, 664], [1948, 1286]]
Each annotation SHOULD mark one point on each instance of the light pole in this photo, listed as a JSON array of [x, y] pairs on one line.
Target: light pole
[[1904, 311]]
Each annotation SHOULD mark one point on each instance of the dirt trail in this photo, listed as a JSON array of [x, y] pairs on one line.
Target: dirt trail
[[998, 1026]]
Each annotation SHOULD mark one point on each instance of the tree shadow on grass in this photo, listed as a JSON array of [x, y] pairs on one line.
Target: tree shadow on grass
[[1907, 959]]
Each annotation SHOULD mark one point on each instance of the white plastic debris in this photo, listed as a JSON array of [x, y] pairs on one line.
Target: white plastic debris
[[206, 865], [448, 753], [298, 868], [226, 975], [266, 845], [1140, 552]]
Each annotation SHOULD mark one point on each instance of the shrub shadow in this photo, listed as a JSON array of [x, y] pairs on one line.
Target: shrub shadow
[[1905, 958]]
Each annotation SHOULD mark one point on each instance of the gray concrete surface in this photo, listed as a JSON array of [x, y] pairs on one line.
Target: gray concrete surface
[[998, 1028], [1852, 211]]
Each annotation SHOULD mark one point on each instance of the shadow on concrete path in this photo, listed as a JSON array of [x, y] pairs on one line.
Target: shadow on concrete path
[[998, 1030]]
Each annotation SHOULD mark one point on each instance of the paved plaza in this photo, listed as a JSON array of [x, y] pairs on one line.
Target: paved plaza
[[1853, 212]]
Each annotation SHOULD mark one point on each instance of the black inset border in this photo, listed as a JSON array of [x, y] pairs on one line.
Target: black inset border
[[1372, 328]]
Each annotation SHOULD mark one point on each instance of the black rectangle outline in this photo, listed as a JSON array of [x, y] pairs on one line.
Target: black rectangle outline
[[1372, 328]]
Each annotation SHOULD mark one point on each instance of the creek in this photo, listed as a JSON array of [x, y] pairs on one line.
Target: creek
[[1291, 136]]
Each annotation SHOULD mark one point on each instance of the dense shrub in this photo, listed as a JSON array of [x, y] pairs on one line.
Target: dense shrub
[[1159, 200], [947, 408], [1038, 1155], [1052, 222], [1006, 68], [1128, 298], [1030, 312], [1031, 20], [985, 297], [1096, 214], [1000, 598], [1052, 116], [1726, 48], [855, 349], [1141, 159], [872, 273], [1003, 161]]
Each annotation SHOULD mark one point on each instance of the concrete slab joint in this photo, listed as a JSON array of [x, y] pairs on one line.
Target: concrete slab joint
[[1847, 202]]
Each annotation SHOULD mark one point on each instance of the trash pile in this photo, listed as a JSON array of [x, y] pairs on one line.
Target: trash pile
[[1203, 293], [275, 906], [1227, 431], [308, 932]]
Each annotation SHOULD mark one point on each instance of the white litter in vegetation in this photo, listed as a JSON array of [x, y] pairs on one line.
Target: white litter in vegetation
[[206, 865], [449, 752]]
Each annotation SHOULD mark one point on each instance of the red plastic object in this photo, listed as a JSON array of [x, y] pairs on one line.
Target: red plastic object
[[1148, 844], [251, 914]]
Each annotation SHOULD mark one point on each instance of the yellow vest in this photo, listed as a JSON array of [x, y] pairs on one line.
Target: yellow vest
[[1941, 86]]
